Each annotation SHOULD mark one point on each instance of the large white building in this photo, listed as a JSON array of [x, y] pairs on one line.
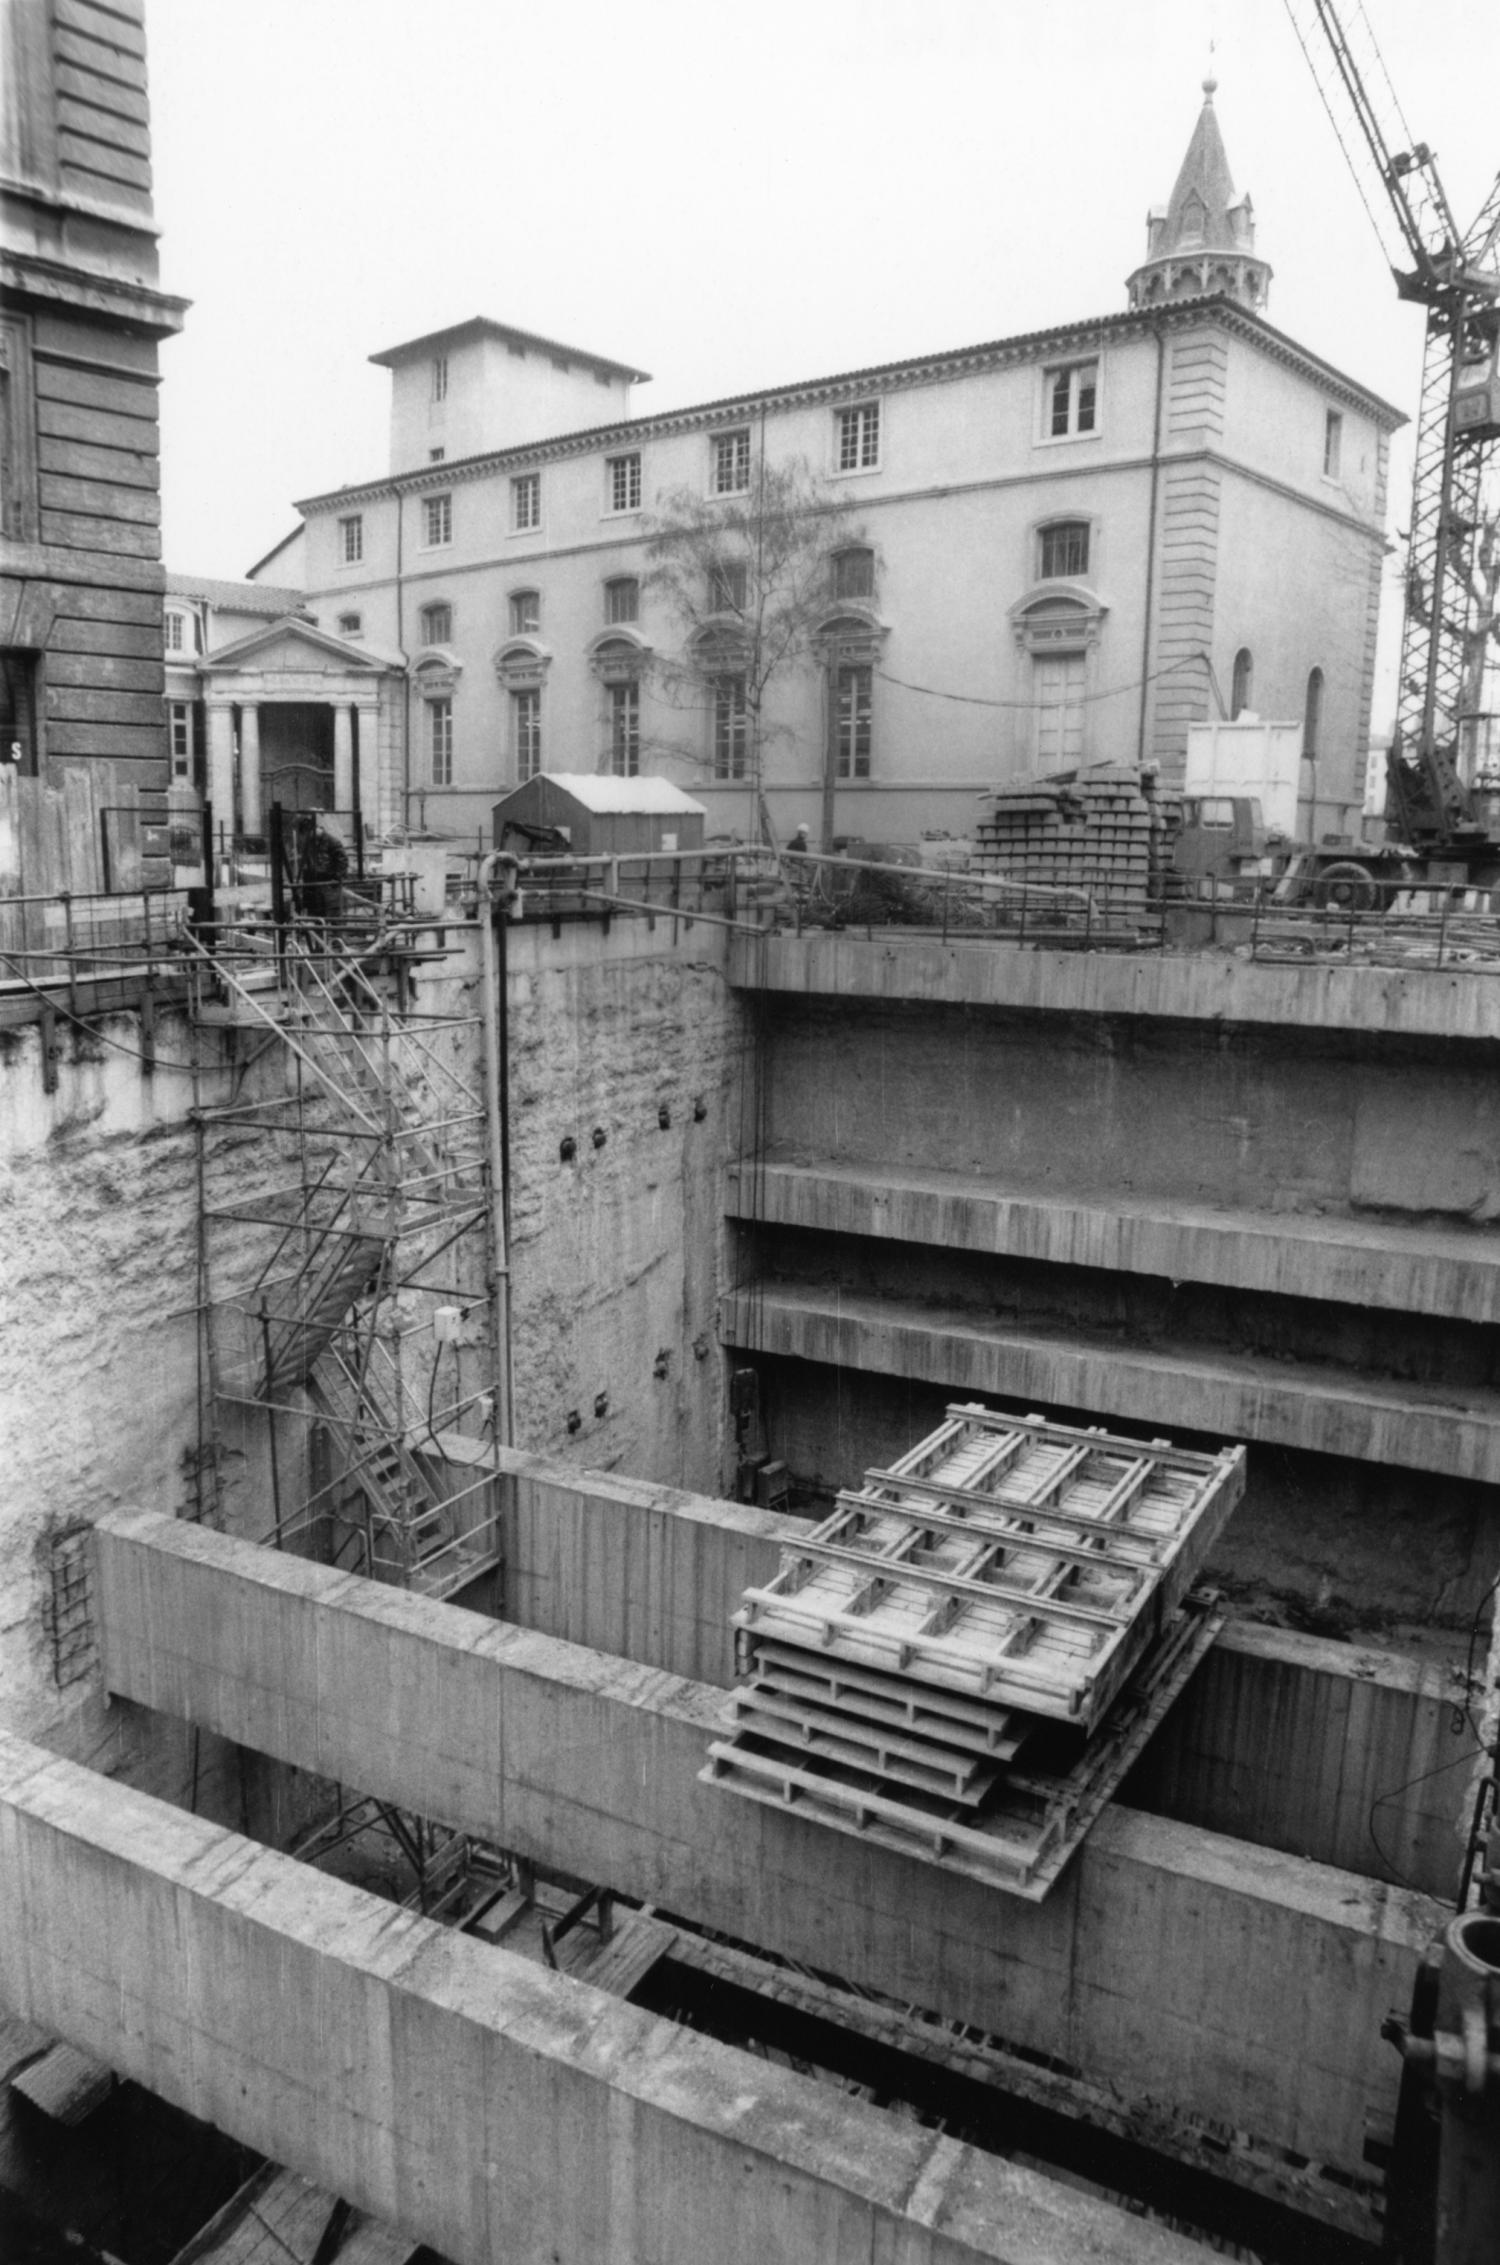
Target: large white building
[[1061, 547]]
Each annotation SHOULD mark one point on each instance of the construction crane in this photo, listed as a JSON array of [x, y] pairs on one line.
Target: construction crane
[[1432, 806]]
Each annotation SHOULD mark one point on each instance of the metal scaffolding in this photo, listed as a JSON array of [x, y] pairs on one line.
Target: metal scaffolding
[[351, 1297]]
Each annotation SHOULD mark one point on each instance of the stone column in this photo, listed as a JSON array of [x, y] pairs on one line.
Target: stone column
[[250, 769], [221, 768], [343, 758], [369, 762]]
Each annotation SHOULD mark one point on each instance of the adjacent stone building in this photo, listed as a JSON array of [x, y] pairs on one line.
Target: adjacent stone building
[[1068, 547]]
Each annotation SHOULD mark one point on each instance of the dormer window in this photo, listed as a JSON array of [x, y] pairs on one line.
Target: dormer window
[[1072, 393]]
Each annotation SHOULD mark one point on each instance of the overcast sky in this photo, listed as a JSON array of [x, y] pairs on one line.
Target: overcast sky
[[729, 199]]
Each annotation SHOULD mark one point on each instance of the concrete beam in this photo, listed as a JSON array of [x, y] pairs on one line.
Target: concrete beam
[[478, 2102], [1361, 1262], [1204, 1973], [653, 1574], [1230, 1396], [1426, 1003]]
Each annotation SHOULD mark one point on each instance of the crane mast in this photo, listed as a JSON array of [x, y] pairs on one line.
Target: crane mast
[[1451, 273]]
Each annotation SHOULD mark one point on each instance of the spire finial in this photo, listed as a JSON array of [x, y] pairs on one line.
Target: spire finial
[[1211, 84]]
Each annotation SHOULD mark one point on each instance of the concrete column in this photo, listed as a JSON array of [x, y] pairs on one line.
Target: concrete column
[[343, 757], [250, 767], [221, 768]]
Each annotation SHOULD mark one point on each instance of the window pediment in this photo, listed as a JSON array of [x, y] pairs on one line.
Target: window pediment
[[435, 672], [1058, 616], [620, 657], [522, 663], [852, 637]]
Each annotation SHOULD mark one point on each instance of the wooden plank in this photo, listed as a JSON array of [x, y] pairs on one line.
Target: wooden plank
[[101, 93], [85, 875], [620, 1965], [824, 1735], [893, 1701], [107, 500], [76, 530], [87, 460], [78, 703], [99, 428], [119, 392]]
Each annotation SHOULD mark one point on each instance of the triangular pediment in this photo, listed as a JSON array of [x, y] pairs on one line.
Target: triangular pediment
[[291, 646]]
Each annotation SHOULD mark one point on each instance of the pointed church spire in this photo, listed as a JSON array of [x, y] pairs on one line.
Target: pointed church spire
[[1203, 241]]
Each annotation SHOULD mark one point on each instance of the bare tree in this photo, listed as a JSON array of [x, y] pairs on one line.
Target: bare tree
[[750, 579]]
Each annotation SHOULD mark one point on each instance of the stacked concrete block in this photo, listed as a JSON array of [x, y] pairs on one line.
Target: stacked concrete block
[[1091, 834]]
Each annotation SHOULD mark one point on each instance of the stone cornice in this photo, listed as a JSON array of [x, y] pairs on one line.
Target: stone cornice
[[1005, 353], [155, 313]]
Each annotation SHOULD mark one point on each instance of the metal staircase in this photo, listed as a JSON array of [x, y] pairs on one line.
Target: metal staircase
[[348, 1252]]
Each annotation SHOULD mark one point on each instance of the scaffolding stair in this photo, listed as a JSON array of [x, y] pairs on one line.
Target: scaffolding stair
[[322, 1294]]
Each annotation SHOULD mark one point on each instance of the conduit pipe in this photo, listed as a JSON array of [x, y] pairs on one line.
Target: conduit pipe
[[498, 878]]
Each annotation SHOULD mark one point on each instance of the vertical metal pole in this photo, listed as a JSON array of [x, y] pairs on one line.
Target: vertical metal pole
[[494, 907]]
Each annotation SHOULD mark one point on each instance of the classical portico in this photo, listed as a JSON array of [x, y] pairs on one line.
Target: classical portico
[[294, 715]]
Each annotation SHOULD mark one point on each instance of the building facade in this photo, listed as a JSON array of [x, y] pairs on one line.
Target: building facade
[[1055, 549], [81, 577]]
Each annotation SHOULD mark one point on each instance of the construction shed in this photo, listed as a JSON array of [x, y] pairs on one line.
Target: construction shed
[[598, 816]]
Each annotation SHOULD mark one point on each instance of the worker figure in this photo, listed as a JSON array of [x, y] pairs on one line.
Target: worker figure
[[319, 863]]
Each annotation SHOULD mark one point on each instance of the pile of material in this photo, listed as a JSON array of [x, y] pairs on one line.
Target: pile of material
[[963, 1661], [1092, 830]]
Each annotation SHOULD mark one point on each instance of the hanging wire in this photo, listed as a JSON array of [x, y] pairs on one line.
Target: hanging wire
[[1026, 707]]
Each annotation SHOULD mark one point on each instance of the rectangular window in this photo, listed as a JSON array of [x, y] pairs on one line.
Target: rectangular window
[[526, 732], [1072, 400], [526, 501], [436, 455], [854, 574], [175, 639], [1333, 443], [622, 599], [351, 624], [728, 586], [625, 729], [439, 377], [181, 720], [525, 612], [440, 740], [624, 477], [731, 462], [731, 727], [437, 520], [854, 702], [437, 625], [858, 437], [1065, 548], [351, 540]]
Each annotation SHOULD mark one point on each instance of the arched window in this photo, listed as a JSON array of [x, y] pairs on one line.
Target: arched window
[[1064, 549], [437, 623], [854, 572], [1312, 716], [1244, 674]]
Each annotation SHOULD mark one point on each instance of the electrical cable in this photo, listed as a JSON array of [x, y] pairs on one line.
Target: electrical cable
[[1027, 707], [81, 1022]]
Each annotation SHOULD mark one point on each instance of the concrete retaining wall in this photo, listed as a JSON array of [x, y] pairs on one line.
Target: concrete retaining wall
[[476, 2101], [1205, 1973]]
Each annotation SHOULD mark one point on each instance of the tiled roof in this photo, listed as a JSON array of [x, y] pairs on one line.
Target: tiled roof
[[236, 597]]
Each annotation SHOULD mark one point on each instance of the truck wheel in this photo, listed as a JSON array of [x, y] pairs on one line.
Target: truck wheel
[[1346, 887]]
